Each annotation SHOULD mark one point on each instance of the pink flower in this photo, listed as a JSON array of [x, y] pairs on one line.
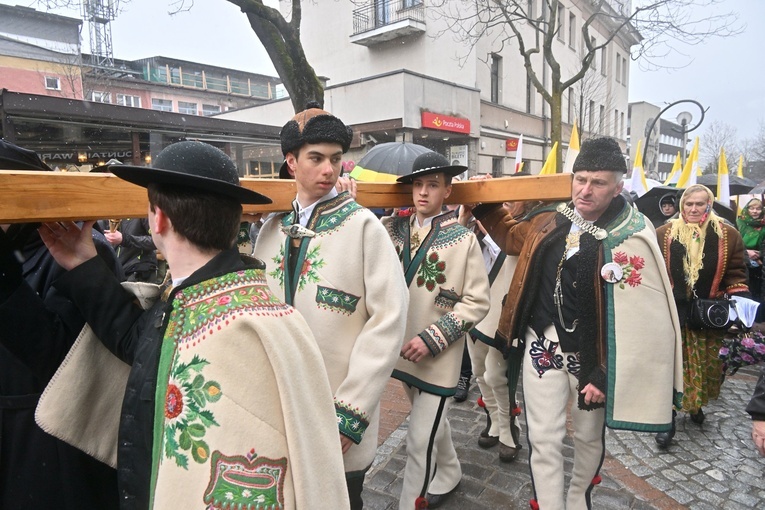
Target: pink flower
[[637, 262], [634, 279], [747, 342], [620, 257], [224, 300]]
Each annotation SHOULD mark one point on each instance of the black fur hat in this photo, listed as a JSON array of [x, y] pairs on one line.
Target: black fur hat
[[312, 125], [600, 154], [194, 165]]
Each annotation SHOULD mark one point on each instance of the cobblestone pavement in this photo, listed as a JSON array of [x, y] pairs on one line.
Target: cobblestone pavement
[[709, 466]]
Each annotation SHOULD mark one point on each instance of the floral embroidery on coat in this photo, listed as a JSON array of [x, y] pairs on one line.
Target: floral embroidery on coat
[[308, 272], [431, 272], [631, 266], [186, 416], [245, 483]]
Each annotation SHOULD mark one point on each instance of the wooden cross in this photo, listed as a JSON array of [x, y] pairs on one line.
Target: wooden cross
[[52, 196]]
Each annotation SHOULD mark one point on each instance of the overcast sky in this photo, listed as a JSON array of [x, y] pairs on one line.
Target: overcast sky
[[725, 75]]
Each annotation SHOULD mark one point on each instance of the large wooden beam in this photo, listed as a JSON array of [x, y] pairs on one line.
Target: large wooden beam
[[46, 196]]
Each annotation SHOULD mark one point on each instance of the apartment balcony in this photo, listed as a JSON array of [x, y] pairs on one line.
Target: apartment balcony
[[384, 20]]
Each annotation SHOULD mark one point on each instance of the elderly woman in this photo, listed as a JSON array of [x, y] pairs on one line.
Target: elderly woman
[[750, 225], [705, 257]]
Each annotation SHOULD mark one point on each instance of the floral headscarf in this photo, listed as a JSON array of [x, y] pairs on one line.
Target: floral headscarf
[[751, 228]]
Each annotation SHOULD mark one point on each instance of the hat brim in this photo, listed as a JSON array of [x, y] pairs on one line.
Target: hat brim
[[143, 176], [452, 170]]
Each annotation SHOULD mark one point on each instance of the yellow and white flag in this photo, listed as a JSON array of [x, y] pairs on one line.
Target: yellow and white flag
[[572, 152], [639, 184], [740, 170], [551, 163], [519, 155], [674, 175], [688, 177], [723, 179]]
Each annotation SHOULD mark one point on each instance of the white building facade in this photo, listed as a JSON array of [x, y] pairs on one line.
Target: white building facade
[[396, 71]]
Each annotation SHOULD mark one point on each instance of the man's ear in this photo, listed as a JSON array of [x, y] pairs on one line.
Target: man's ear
[[291, 164], [448, 191], [161, 222]]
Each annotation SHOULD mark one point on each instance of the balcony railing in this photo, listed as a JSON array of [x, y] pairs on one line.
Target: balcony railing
[[387, 13]]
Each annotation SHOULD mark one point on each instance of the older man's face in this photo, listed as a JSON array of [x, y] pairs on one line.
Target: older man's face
[[592, 191]]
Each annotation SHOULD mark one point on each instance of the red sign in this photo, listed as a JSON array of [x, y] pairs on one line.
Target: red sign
[[511, 144], [445, 123]]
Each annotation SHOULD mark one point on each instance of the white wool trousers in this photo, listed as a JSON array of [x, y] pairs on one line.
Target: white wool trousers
[[549, 385], [431, 460], [490, 370]]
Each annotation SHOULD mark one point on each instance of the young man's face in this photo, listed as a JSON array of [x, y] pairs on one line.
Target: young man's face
[[429, 193], [316, 167], [592, 191]]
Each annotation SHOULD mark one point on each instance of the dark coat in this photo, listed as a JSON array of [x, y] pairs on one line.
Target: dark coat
[[756, 407], [134, 336], [37, 327], [137, 252]]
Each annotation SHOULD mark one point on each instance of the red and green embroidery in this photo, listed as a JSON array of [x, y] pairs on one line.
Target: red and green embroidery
[[631, 267], [308, 272], [186, 415], [245, 482], [431, 272], [351, 420]]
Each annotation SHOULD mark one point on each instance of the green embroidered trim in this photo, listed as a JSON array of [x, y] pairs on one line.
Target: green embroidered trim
[[452, 327], [447, 298], [278, 272], [431, 272], [246, 483], [424, 386], [201, 310], [308, 271], [635, 224], [336, 300], [351, 421], [450, 234], [324, 221], [186, 416]]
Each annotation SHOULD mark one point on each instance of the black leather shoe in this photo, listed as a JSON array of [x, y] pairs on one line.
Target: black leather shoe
[[436, 500], [698, 417], [508, 453], [663, 439], [487, 428], [463, 385], [488, 441]]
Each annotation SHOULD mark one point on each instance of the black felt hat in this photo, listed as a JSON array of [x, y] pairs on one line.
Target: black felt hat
[[13, 157], [431, 163], [312, 125], [600, 154], [194, 165]]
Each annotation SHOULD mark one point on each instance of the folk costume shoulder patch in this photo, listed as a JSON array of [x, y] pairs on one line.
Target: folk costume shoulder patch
[[246, 482]]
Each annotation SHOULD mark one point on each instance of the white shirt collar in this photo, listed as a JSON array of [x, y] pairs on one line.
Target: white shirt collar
[[304, 213], [425, 223]]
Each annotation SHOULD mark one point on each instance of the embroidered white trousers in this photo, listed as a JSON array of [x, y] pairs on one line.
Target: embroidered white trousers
[[549, 386], [431, 460], [490, 370]]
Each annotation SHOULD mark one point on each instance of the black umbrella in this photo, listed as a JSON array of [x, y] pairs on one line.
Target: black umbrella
[[393, 158], [738, 185], [649, 205], [758, 189]]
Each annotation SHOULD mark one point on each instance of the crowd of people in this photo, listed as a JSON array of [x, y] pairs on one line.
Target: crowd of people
[[243, 381]]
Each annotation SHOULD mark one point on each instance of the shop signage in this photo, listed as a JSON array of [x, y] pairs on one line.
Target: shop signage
[[445, 123], [511, 144], [74, 156]]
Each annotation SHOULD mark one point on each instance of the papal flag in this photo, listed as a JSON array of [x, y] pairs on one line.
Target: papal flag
[[639, 184], [674, 175], [573, 150], [688, 177], [519, 155], [551, 163], [740, 170], [723, 180]]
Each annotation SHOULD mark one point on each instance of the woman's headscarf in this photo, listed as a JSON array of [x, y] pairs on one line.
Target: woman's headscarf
[[692, 235], [751, 228]]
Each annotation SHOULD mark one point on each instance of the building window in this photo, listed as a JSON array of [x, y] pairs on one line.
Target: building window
[[603, 60], [210, 109], [52, 83], [616, 124], [624, 71], [602, 120], [530, 9], [411, 3], [163, 105], [618, 67], [571, 30], [497, 167], [529, 95], [496, 76], [561, 19], [125, 100], [187, 108], [101, 97], [591, 121], [595, 55], [571, 105], [621, 125]]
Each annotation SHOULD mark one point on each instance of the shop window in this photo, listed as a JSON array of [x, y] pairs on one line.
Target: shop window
[[52, 83], [126, 100], [163, 105], [187, 108]]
